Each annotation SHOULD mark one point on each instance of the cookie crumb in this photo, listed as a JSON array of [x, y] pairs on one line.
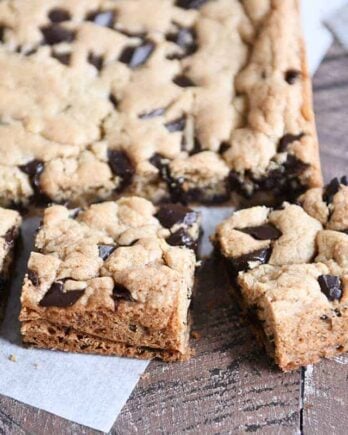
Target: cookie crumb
[[196, 335], [12, 358]]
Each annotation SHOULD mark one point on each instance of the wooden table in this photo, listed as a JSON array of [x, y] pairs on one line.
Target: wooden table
[[230, 386]]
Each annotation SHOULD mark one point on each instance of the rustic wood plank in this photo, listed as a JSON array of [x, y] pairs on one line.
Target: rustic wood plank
[[229, 386], [325, 392]]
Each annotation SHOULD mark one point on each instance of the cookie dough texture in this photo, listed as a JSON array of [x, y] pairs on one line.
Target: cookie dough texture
[[113, 279], [290, 267], [10, 222], [187, 100]]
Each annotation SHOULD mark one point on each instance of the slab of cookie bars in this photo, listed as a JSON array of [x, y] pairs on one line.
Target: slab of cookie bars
[[10, 222], [187, 100], [113, 279], [290, 271]]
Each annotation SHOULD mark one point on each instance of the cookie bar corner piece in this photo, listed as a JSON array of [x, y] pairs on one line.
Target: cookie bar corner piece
[[10, 222], [289, 270], [113, 279]]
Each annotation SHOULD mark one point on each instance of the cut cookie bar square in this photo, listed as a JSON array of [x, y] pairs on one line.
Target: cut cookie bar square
[[115, 278], [289, 268], [10, 222], [202, 101]]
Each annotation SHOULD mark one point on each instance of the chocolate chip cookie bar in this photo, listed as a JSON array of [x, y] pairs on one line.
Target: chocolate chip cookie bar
[[10, 222], [180, 100], [114, 279], [289, 269]]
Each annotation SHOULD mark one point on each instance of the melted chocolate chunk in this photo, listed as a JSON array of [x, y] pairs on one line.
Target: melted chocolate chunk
[[102, 18], [224, 147], [158, 161], [333, 187], [121, 292], [242, 263], [287, 139], [153, 114], [56, 297], [2, 33], [291, 76], [186, 40], [33, 277], [263, 232], [190, 4], [58, 15], [63, 58], [331, 286], [55, 34], [113, 100], [122, 166], [96, 61], [105, 251], [183, 81], [182, 238], [10, 236], [176, 125], [34, 170], [171, 214], [137, 56]]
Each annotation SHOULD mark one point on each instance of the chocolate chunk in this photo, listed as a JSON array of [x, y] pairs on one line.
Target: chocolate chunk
[[190, 4], [33, 277], [186, 39], [63, 58], [105, 251], [113, 100], [2, 33], [333, 187], [183, 81], [10, 236], [331, 286], [171, 214], [56, 297], [158, 161], [55, 34], [242, 263], [122, 166], [263, 232], [58, 15], [121, 292], [153, 114], [182, 238], [224, 147], [344, 180], [34, 169], [176, 125], [137, 56], [287, 139], [102, 18], [330, 190], [292, 75], [96, 61]]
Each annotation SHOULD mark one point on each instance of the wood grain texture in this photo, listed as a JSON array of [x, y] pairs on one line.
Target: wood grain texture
[[230, 386]]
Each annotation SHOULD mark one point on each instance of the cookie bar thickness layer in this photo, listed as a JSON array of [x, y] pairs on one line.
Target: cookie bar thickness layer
[[196, 101], [114, 279], [290, 271], [10, 222]]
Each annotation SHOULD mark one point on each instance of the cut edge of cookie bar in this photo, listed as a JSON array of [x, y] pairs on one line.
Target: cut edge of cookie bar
[[269, 252], [43, 334], [10, 222], [118, 276], [292, 316]]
